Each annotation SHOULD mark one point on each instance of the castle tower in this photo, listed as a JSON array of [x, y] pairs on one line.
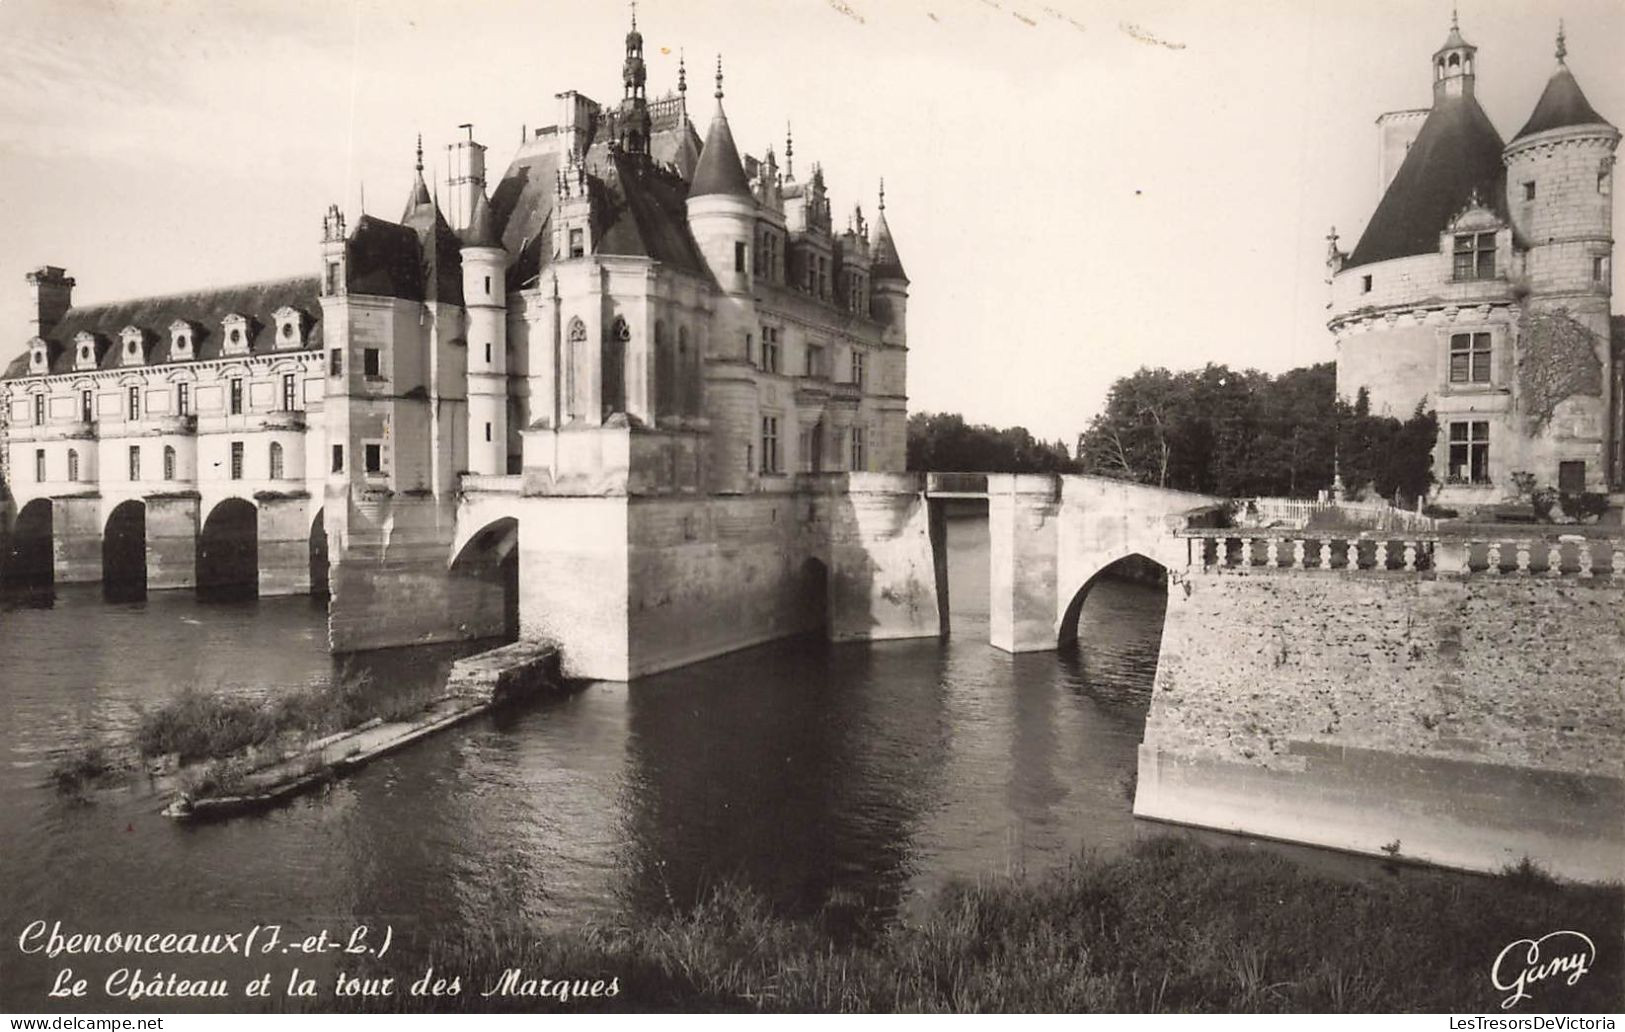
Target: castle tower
[[635, 121], [1453, 74], [1560, 194], [890, 304], [485, 293], [722, 218]]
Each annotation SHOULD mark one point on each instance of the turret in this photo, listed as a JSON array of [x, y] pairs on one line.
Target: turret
[[1453, 74], [485, 266], [721, 210], [1559, 189], [890, 282], [334, 274]]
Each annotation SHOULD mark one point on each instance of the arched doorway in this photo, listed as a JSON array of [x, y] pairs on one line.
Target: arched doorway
[[318, 556], [28, 558], [487, 572], [814, 595], [124, 552], [228, 552]]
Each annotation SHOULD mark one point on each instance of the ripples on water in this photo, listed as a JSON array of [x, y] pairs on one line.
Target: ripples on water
[[861, 776]]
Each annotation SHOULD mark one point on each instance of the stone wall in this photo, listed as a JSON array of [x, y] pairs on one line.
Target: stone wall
[[1466, 721]]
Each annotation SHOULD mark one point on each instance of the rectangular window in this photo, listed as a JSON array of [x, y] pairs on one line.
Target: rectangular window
[[804, 449], [236, 395], [770, 444], [183, 398], [289, 392], [578, 243], [335, 362], [39, 465], [274, 461], [135, 462], [814, 360], [371, 363], [169, 463], [739, 256], [1469, 358], [1571, 477], [1529, 190], [1475, 256], [73, 465], [487, 352], [39, 410], [770, 349], [1602, 182], [1365, 284], [857, 368], [1469, 453], [374, 456], [338, 458], [133, 402], [488, 431], [87, 407], [332, 277], [236, 460], [860, 449], [823, 278], [1599, 269]]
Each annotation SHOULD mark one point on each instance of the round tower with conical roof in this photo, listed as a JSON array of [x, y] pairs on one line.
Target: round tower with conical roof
[[485, 295]]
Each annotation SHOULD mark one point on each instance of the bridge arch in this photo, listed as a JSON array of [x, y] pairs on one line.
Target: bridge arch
[[124, 551], [487, 565], [228, 551], [319, 586], [30, 548], [1135, 566]]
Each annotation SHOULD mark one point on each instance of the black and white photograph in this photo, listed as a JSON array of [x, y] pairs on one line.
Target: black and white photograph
[[1108, 507]]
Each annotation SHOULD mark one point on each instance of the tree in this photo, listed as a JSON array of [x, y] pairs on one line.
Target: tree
[[944, 442]]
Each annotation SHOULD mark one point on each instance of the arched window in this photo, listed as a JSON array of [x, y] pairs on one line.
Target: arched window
[[169, 463], [612, 367], [276, 461], [73, 465], [665, 374], [574, 356]]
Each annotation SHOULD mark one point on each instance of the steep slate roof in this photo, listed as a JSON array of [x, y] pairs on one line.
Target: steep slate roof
[[886, 264], [1456, 152], [480, 232], [1561, 104], [204, 309], [639, 209], [384, 259], [719, 171]]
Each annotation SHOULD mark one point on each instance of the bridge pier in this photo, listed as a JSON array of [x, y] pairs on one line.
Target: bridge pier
[[172, 524], [1023, 513], [76, 536], [284, 545]]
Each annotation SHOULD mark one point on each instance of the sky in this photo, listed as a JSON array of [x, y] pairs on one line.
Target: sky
[[1077, 189]]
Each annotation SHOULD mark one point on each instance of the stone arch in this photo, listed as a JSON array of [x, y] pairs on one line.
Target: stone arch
[[29, 551], [1135, 564], [228, 551], [124, 551], [490, 557]]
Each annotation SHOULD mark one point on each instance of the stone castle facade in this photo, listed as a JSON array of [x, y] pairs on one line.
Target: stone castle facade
[[629, 312], [1481, 289]]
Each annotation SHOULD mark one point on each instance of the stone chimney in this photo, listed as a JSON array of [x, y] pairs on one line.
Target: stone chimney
[[53, 296]]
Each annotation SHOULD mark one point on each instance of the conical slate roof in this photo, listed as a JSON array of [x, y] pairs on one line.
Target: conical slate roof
[[418, 199], [719, 170], [480, 231], [1456, 156], [886, 264], [1562, 104]]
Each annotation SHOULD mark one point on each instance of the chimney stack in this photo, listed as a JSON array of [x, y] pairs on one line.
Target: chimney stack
[[53, 296]]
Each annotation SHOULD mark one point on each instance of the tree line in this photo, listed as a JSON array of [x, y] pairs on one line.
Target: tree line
[[1215, 430]]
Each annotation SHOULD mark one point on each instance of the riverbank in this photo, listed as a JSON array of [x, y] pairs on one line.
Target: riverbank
[[1171, 925]]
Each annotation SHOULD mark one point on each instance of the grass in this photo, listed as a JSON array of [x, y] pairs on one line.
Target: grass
[[1171, 925], [197, 724], [83, 767]]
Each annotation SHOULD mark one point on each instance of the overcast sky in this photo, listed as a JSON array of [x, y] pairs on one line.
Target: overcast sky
[[1077, 189]]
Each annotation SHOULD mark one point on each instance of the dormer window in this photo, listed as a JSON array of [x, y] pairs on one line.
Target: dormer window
[[237, 332], [84, 351], [39, 356], [182, 340], [291, 327], [132, 346], [1474, 256]]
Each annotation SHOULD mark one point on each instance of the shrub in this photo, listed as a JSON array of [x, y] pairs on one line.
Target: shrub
[[82, 767], [197, 724]]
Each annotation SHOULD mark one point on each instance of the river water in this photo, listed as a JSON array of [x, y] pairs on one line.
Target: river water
[[858, 776]]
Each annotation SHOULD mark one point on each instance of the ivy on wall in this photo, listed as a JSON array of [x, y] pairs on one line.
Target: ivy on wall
[[1558, 360]]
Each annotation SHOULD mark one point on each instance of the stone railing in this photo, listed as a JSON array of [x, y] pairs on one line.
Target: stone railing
[[186, 424], [491, 483], [285, 419], [1483, 554]]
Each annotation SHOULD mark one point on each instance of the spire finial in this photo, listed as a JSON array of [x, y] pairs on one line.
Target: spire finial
[[420, 154], [634, 15], [1455, 23], [719, 76], [882, 193], [789, 152], [682, 73], [1562, 43]]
